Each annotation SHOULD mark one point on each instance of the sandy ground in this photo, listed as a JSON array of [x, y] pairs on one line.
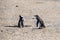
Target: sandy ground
[[49, 11], [29, 33]]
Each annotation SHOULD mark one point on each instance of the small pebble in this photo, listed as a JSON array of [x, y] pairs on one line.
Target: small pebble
[[1, 30]]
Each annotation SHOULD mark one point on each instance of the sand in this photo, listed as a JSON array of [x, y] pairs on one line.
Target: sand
[[29, 33], [49, 11]]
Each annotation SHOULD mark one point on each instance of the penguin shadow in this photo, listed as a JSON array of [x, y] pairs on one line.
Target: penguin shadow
[[36, 28], [12, 26], [18, 26], [27, 25]]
